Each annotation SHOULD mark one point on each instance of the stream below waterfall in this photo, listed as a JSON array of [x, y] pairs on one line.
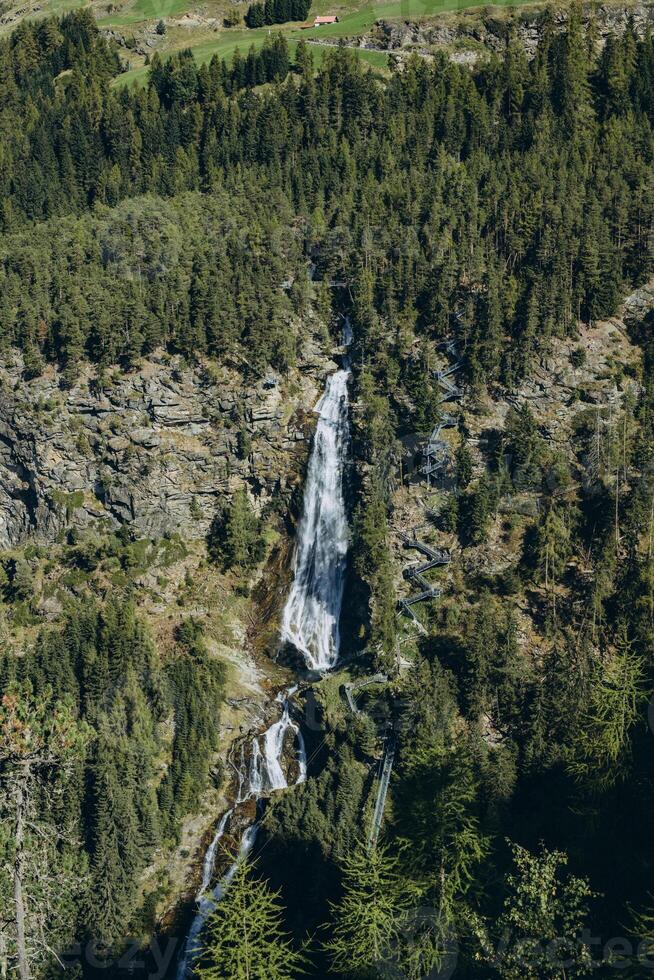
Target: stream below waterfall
[[262, 774], [310, 623]]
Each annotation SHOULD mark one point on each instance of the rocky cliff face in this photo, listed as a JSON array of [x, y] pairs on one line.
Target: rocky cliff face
[[469, 35], [155, 448]]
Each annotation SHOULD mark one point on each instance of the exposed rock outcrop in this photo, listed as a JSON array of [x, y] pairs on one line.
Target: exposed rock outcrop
[[154, 448], [469, 35]]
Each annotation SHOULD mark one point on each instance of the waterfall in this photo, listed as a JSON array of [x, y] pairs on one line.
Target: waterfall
[[246, 845], [204, 903], [266, 774], [263, 775], [255, 786], [274, 741], [273, 747], [210, 856], [310, 622], [311, 617]]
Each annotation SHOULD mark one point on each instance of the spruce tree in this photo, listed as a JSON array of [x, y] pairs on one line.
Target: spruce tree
[[244, 938], [235, 535], [617, 694], [368, 922]]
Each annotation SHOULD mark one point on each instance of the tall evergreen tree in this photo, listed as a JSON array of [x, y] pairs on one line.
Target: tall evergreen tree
[[368, 922], [244, 938]]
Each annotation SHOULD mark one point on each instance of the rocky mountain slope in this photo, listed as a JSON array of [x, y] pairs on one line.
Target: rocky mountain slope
[[109, 486], [587, 383], [468, 35], [154, 448]]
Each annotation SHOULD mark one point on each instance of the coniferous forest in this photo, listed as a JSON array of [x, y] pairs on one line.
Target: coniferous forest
[[276, 12], [230, 217]]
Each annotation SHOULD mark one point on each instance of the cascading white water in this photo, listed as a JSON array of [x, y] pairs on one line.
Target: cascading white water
[[266, 773], [246, 845], [255, 785], [310, 622], [210, 856], [204, 903], [311, 617], [273, 750], [274, 741]]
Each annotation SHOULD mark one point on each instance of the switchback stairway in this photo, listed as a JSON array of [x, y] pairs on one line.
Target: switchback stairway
[[416, 573]]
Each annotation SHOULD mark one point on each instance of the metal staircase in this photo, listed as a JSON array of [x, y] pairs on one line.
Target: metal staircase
[[415, 573], [357, 686], [436, 450]]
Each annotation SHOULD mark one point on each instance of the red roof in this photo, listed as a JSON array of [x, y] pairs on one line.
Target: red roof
[[325, 20]]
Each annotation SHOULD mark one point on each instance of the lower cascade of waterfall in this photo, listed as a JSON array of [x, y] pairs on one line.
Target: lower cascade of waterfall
[[310, 621], [264, 774], [274, 740], [206, 903]]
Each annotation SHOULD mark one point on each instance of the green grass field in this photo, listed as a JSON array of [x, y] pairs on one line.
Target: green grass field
[[361, 19], [225, 46], [354, 20], [59, 7], [145, 10]]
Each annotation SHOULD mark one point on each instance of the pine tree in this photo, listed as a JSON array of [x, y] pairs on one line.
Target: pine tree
[[235, 535], [524, 446], [616, 698], [464, 465], [553, 545], [303, 59], [255, 15], [244, 938], [368, 922], [110, 893], [475, 512]]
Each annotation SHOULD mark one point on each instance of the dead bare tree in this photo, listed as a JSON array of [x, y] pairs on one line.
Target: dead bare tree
[[40, 740]]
